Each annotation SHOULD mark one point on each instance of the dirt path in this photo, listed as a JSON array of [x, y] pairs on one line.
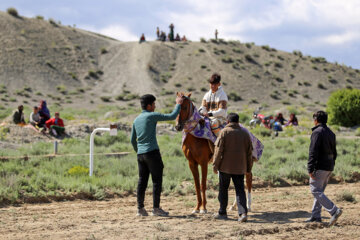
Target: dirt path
[[278, 213]]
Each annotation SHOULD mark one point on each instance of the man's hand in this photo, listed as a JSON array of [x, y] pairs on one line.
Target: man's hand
[[312, 175], [179, 99], [215, 170]]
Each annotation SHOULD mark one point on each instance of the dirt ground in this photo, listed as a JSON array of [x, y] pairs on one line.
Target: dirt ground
[[277, 213]]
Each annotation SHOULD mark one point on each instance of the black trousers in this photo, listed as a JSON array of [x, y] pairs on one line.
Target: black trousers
[[238, 181], [150, 163]]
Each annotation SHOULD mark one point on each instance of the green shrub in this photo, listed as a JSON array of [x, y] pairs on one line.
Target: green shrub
[[103, 51], [227, 59], [13, 12], [234, 97], [78, 171], [105, 98], [343, 107], [39, 17], [53, 22]]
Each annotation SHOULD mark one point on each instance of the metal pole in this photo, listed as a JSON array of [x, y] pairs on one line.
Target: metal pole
[[55, 147], [92, 136]]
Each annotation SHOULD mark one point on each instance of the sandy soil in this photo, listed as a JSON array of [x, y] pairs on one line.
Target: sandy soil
[[278, 213]]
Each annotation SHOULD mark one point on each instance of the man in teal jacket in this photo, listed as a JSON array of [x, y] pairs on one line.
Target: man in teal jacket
[[143, 139]]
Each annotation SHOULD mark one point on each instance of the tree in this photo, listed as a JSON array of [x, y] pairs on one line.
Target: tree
[[344, 107]]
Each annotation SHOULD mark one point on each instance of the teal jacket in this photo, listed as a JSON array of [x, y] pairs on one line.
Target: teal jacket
[[143, 133]]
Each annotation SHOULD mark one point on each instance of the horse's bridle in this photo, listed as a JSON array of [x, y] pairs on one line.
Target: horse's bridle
[[181, 122]]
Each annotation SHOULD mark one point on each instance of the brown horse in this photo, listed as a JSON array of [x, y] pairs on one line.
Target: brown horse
[[197, 151]]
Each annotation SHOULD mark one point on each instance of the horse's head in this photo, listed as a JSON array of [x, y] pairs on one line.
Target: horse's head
[[186, 111]]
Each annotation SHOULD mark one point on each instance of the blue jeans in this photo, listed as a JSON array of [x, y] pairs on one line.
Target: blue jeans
[[317, 187]]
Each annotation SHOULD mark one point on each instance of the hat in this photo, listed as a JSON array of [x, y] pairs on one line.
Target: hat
[[215, 78]]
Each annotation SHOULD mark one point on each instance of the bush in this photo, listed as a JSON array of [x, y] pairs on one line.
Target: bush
[[13, 12], [343, 107], [234, 97]]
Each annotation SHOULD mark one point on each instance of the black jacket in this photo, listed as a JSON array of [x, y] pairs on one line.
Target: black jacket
[[322, 151]]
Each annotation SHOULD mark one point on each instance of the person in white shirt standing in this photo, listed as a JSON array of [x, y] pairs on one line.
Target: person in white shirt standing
[[214, 104]]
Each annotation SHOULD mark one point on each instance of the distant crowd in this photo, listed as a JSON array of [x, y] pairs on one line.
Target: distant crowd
[[40, 119], [162, 36]]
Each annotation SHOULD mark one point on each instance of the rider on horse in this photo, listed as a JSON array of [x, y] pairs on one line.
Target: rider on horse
[[214, 104]]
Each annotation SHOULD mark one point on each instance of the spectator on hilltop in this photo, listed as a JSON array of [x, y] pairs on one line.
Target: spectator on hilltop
[[216, 34], [183, 39], [142, 38], [171, 34], [18, 116], [35, 118], [56, 125], [163, 36], [158, 33], [177, 38]]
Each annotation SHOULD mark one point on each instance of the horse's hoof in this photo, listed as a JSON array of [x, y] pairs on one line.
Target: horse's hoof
[[203, 211], [195, 211]]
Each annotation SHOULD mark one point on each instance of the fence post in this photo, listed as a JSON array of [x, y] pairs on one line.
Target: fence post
[[55, 147]]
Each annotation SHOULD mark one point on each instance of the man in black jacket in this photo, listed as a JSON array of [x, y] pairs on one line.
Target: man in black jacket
[[322, 156]]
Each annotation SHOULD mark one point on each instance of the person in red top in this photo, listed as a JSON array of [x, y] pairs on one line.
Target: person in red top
[[55, 125]]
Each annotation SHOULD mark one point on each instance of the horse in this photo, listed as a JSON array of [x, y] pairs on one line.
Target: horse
[[198, 152]]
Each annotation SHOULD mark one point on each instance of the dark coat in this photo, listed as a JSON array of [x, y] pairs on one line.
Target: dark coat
[[322, 151], [233, 150]]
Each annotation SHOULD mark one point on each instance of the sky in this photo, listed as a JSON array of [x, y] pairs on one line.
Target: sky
[[326, 28]]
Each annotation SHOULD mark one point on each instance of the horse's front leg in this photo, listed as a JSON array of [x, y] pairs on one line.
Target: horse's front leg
[[195, 172], [204, 169]]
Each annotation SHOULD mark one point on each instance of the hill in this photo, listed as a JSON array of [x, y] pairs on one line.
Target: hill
[[76, 68]]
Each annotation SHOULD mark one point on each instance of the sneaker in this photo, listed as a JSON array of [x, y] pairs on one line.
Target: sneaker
[[335, 217], [243, 218], [141, 212], [159, 212], [313, 219], [220, 216]]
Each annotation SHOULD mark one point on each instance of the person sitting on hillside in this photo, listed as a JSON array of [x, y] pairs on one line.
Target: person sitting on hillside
[[142, 38], [56, 125], [35, 118], [183, 39], [18, 116], [214, 104], [163, 36], [43, 112], [280, 118], [293, 121], [177, 38]]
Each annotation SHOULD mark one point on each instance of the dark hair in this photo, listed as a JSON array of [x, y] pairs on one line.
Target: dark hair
[[146, 100], [321, 117], [36, 107], [233, 118], [215, 78]]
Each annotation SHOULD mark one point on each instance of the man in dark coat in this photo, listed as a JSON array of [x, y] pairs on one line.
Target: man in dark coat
[[322, 156], [232, 158]]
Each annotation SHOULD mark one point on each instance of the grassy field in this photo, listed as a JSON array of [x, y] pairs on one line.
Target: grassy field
[[284, 160]]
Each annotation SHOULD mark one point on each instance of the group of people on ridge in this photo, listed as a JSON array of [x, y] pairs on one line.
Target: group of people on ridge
[[40, 118], [232, 156]]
